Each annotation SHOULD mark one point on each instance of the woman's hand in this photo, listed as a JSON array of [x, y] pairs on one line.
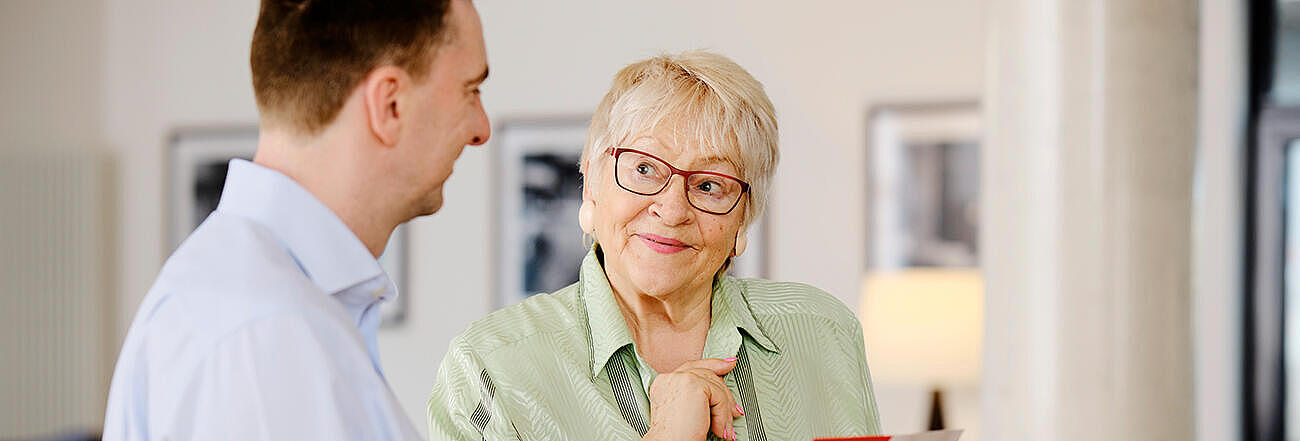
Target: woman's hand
[[689, 402]]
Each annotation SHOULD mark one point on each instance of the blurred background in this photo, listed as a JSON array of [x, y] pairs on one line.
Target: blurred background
[[1056, 219]]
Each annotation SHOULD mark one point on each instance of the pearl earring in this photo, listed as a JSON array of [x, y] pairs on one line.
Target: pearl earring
[[742, 241]]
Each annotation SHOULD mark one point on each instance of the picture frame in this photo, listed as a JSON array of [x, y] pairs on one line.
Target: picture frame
[[1270, 365], [923, 185], [538, 244], [198, 160]]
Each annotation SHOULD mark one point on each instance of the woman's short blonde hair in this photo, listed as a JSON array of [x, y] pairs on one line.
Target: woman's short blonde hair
[[707, 101]]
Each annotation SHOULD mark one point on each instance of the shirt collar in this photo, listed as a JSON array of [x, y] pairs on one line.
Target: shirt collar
[[608, 332], [327, 250], [731, 308]]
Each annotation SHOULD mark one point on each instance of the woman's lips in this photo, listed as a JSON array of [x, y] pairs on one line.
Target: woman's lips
[[663, 245]]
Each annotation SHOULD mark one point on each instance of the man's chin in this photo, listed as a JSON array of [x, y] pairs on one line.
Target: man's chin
[[431, 206], [427, 206]]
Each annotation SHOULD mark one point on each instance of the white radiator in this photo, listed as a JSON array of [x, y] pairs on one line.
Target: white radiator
[[56, 235]]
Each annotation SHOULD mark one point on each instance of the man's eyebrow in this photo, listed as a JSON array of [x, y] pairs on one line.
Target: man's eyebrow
[[480, 78]]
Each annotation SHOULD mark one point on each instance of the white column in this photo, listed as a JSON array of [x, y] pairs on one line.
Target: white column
[[1086, 241], [1217, 207]]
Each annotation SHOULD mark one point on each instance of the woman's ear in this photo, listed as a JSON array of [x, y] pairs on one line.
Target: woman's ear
[[587, 212], [381, 92]]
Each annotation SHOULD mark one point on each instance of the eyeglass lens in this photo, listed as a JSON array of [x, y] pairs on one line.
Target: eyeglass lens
[[647, 175]]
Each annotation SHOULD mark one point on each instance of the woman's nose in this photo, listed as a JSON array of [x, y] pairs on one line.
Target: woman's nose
[[671, 205]]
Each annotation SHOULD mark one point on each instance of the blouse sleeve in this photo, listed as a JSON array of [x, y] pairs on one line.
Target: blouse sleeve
[[461, 405], [873, 413]]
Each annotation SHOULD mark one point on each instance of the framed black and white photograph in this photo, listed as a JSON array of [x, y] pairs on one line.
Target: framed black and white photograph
[[923, 185], [198, 160], [539, 245]]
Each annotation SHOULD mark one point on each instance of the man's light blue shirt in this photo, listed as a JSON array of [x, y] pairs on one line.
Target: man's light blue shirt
[[261, 326]]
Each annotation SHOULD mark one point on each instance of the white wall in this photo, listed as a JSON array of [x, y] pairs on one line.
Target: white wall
[[49, 86], [53, 377], [171, 64]]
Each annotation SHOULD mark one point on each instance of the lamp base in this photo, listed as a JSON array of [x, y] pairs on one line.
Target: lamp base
[[936, 410]]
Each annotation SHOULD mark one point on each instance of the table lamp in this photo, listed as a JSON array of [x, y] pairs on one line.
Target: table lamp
[[924, 327]]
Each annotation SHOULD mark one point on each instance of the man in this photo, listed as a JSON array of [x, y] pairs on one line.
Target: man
[[262, 324]]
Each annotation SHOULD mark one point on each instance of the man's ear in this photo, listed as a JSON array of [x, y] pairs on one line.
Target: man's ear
[[381, 91]]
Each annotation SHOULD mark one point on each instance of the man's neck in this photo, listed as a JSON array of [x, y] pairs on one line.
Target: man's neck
[[328, 169]]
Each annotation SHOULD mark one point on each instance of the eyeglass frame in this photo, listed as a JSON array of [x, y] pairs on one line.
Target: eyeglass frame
[[686, 175]]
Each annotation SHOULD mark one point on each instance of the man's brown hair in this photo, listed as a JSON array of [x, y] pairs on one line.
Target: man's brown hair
[[308, 55]]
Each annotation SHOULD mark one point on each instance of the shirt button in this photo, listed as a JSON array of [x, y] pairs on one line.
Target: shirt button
[[378, 292]]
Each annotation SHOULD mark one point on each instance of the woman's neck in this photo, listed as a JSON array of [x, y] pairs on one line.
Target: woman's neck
[[668, 329], [677, 312]]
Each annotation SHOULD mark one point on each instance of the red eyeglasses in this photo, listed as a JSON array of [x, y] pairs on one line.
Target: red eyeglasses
[[644, 174]]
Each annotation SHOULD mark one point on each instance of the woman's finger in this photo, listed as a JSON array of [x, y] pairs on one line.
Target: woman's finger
[[722, 408], [719, 366]]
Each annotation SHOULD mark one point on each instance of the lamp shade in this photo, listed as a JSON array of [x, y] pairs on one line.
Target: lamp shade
[[923, 326]]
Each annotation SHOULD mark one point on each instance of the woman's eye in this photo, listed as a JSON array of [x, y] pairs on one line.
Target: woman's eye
[[707, 186], [644, 169]]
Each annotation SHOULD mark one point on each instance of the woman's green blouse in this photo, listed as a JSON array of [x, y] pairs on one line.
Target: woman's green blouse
[[563, 366]]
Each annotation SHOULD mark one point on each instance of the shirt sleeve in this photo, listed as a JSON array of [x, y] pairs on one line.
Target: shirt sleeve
[[280, 378], [461, 406]]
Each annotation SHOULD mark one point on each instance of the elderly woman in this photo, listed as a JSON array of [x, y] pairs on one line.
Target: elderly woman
[[655, 341]]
